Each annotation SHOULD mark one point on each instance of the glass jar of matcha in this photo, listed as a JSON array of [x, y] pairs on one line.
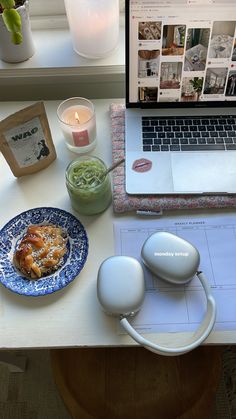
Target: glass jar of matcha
[[88, 185]]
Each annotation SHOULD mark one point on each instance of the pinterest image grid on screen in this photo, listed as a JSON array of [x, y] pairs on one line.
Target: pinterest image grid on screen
[[189, 57]]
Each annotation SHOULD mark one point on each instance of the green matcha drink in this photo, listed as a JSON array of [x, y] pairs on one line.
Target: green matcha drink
[[88, 186]]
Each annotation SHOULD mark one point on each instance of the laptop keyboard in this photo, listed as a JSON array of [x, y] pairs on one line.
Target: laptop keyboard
[[189, 133]]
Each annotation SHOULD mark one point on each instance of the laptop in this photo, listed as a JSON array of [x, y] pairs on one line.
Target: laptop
[[180, 116]]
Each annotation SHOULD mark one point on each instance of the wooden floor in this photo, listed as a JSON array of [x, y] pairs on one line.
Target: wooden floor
[[31, 394], [115, 383]]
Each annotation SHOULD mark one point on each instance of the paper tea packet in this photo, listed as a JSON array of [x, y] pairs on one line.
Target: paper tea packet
[[26, 141]]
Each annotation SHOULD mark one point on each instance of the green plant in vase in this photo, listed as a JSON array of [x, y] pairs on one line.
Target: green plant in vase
[[12, 18], [197, 83]]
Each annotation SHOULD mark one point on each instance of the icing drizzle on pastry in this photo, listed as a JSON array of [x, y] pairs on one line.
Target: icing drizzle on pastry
[[41, 250]]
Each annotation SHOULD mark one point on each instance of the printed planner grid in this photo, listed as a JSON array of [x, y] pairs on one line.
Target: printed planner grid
[[173, 308]]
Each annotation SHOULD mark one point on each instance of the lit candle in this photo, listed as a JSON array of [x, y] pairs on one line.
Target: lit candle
[[78, 123], [94, 26]]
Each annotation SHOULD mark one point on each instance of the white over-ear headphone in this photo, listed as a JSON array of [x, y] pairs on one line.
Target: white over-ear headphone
[[121, 288]]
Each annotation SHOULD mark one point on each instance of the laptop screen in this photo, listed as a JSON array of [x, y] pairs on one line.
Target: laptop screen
[[180, 53]]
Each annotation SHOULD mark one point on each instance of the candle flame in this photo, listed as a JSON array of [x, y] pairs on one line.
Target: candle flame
[[77, 117]]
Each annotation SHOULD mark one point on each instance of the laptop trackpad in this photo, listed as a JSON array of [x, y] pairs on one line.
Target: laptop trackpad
[[204, 172]]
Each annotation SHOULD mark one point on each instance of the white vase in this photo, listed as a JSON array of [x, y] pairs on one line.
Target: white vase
[[10, 52], [94, 26]]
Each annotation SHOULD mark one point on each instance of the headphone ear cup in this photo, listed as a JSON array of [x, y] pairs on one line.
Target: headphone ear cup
[[170, 257], [120, 285]]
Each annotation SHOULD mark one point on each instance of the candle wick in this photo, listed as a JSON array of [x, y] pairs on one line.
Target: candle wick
[[77, 117]]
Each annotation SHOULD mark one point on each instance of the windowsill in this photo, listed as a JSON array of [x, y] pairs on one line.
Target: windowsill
[[56, 65]]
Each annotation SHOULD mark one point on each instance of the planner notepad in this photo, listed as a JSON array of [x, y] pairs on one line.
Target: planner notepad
[[171, 308]]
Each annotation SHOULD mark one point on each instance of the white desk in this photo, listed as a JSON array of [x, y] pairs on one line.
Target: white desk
[[71, 317]]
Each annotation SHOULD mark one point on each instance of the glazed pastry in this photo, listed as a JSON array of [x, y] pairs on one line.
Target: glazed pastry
[[41, 250]]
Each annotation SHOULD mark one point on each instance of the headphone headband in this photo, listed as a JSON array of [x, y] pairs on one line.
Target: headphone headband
[[199, 336]]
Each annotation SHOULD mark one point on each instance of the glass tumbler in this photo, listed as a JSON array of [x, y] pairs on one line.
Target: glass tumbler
[[88, 185]]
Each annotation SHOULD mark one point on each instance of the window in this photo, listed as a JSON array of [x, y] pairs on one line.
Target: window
[[53, 7], [61, 73]]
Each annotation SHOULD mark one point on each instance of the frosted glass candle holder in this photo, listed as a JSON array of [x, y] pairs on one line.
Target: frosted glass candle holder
[[94, 26], [78, 123]]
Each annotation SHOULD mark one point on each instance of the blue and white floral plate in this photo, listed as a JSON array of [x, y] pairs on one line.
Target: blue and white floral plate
[[74, 259]]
